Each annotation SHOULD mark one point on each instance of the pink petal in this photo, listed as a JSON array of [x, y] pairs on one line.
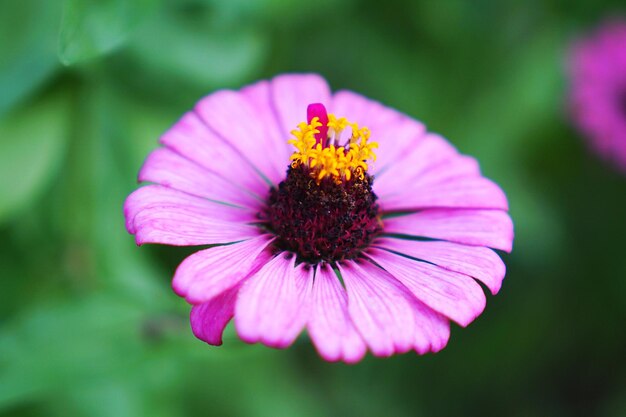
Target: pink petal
[[449, 170], [260, 97], [470, 192], [164, 166], [425, 153], [396, 141], [182, 226], [209, 272], [155, 196], [388, 316], [292, 93], [454, 295], [233, 117], [480, 263], [272, 306], [394, 131], [432, 161], [330, 326], [191, 138], [432, 332], [491, 228], [304, 284], [209, 319]]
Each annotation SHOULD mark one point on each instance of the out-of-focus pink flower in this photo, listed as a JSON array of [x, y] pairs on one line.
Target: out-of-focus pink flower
[[365, 247], [597, 69]]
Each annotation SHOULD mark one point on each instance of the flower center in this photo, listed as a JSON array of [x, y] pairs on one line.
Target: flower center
[[319, 147], [325, 209]]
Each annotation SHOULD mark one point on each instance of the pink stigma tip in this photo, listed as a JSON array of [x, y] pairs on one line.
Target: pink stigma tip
[[318, 110]]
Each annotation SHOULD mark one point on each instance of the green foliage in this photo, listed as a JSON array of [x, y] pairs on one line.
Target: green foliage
[[90, 28], [28, 31], [88, 323], [193, 48], [32, 144]]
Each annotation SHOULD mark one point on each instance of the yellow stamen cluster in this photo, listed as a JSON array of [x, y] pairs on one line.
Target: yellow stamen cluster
[[340, 162]]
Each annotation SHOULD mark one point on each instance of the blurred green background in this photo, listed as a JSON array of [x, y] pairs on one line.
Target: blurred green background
[[88, 323]]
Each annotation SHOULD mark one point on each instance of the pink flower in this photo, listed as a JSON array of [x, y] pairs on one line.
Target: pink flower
[[367, 245], [597, 68]]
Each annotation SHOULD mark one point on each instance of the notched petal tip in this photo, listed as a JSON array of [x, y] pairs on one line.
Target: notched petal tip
[[208, 320]]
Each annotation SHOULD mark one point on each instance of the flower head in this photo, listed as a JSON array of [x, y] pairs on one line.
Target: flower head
[[597, 68], [367, 237]]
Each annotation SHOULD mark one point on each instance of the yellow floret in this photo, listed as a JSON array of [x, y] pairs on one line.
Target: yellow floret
[[338, 162]]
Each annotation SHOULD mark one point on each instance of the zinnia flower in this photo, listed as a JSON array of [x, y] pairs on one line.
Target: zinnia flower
[[597, 69], [369, 237]]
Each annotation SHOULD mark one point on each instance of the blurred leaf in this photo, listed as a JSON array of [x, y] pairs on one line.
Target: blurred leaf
[[27, 48], [527, 93], [504, 123], [32, 142], [94, 27], [91, 197], [61, 342], [271, 11], [97, 356], [112, 397], [198, 49]]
